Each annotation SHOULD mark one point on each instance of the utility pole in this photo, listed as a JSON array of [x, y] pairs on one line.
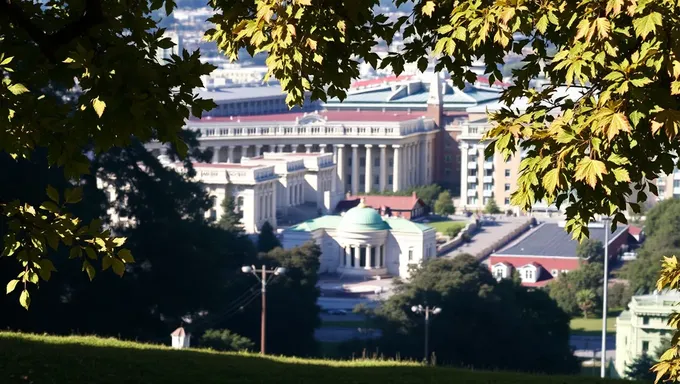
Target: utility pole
[[427, 311], [264, 280], [603, 358]]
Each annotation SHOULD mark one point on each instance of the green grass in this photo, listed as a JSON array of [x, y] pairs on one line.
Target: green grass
[[442, 226], [592, 326], [48, 359]]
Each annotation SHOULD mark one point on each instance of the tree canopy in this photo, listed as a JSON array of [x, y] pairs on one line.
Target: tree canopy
[[444, 204], [590, 250], [565, 289], [477, 311]]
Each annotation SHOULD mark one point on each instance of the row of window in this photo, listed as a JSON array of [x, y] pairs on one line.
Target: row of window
[[376, 162]]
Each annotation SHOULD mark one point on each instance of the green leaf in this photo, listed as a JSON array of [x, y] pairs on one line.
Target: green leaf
[[118, 267], [119, 241], [25, 299], [87, 267], [444, 29], [645, 25], [91, 253], [126, 256], [106, 262], [542, 24], [75, 252], [551, 180], [74, 195], [590, 171], [621, 175], [6, 60], [49, 206], [46, 269], [52, 239], [675, 87], [53, 194], [11, 285], [17, 89], [99, 106]]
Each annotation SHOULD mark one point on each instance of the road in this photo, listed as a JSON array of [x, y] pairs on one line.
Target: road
[[487, 235], [585, 346], [337, 334]]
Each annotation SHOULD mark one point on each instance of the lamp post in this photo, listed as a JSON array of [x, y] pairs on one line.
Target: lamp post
[[263, 279], [427, 310], [603, 351]]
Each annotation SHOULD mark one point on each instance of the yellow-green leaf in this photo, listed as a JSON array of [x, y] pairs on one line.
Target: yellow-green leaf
[[542, 24], [428, 8], [551, 180], [647, 24], [25, 299], [675, 87], [621, 175], [49, 206], [118, 267], [99, 106], [590, 171], [17, 89], [87, 267], [11, 285]]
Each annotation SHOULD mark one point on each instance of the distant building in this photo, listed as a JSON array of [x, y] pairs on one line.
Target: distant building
[[548, 250], [407, 207], [362, 243], [641, 328], [162, 54]]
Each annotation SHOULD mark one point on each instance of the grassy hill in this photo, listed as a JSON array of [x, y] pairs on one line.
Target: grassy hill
[[36, 359]]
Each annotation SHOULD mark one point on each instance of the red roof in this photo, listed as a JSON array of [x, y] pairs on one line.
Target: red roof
[[485, 80], [380, 80], [178, 332], [633, 230], [337, 116], [395, 203], [541, 283]]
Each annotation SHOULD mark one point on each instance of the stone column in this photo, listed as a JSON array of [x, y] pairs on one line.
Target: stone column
[[244, 151], [322, 148], [216, 154], [348, 262], [355, 169], [230, 154], [369, 168], [258, 150], [340, 164], [383, 168], [357, 257], [293, 148], [368, 257], [396, 171], [308, 148]]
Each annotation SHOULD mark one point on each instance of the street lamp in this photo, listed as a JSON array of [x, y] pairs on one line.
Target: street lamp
[[427, 310], [263, 279], [605, 220]]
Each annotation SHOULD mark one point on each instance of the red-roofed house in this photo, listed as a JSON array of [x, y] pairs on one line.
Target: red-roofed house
[[407, 207]]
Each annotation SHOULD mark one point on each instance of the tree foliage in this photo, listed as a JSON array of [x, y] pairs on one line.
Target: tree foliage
[[444, 204], [564, 290], [590, 250], [585, 299], [619, 295], [81, 77], [640, 369], [491, 207], [477, 311], [267, 240], [229, 220], [225, 340]]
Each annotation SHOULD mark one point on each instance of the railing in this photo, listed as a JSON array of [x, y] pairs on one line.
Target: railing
[[300, 131], [476, 130]]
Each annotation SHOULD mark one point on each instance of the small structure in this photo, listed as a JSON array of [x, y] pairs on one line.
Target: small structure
[[642, 327], [408, 207], [180, 338]]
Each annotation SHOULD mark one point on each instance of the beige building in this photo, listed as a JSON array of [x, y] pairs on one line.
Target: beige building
[[641, 328]]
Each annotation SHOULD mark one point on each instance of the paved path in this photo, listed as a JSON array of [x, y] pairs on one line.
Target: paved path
[[587, 346], [487, 235]]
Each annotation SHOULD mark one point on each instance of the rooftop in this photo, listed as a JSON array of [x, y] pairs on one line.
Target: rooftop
[[399, 203], [333, 116], [241, 93], [550, 239], [225, 165]]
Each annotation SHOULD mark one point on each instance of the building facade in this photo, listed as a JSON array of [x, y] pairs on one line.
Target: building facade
[[363, 243], [641, 328]]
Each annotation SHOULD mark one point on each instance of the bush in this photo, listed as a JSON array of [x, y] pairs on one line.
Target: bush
[[225, 340], [619, 295], [453, 230]]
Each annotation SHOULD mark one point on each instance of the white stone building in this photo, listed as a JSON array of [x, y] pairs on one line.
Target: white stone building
[[362, 243], [642, 327]]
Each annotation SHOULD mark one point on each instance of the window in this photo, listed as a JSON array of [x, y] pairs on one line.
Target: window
[[499, 273], [349, 161], [472, 172], [488, 186], [507, 187], [507, 201], [213, 215], [410, 255], [376, 162], [448, 158], [472, 186], [376, 180], [676, 183], [645, 346], [447, 171], [390, 180], [362, 161], [391, 162], [645, 320], [529, 274], [507, 173], [362, 179], [488, 172], [472, 201], [349, 179]]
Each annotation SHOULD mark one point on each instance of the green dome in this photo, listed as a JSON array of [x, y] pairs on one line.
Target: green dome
[[362, 219]]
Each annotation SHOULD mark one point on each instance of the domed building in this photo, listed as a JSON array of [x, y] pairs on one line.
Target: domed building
[[363, 243]]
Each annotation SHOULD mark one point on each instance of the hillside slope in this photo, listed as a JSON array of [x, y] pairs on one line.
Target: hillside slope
[[38, 359]]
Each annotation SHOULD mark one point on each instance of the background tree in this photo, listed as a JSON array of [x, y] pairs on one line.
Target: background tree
[[565, 288], [225, 340], [585, 299], [491, 207], [444, 204], [590, 250], [619, 295], [267, 240], [639, 369], [477, 311], [229, 220]]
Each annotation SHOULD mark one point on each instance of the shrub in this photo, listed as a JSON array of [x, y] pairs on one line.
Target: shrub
[[225, 340]]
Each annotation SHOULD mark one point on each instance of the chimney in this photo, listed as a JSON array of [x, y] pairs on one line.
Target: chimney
[[180, 338], [414, 195]]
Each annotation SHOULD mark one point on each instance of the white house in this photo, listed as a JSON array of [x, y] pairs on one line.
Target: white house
[[502, 270], [362, 243]]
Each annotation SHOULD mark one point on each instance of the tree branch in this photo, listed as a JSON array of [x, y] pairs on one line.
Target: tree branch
[[49, 44]]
